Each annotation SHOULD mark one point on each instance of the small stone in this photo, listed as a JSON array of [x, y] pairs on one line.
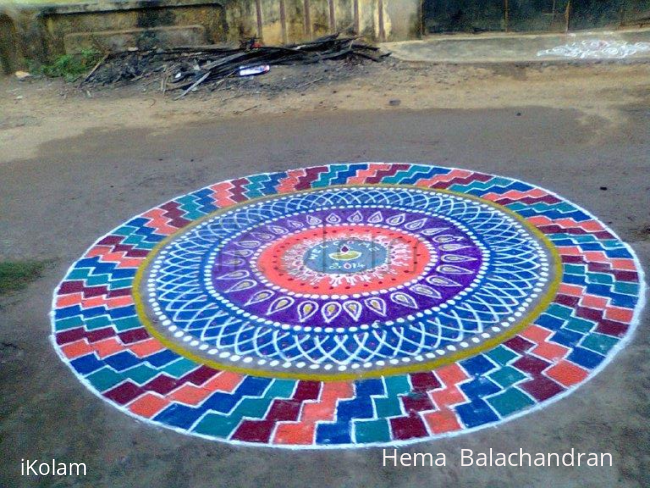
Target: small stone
[[394, 103]]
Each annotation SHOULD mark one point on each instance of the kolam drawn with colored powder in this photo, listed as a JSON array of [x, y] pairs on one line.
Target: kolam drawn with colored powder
[[347, 305]]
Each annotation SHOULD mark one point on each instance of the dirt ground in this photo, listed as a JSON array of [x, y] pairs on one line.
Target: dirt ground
[[37, 111], [74, 165]]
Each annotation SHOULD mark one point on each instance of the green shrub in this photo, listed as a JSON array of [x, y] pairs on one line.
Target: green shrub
[[69, 66], [16, 275]]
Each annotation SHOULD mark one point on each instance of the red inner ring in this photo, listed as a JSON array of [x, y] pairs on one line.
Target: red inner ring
[[272, 265]]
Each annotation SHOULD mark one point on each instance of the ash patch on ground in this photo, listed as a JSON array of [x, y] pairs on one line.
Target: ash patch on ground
[[185, 70], [295, 80], [279, 80], [300, 80]]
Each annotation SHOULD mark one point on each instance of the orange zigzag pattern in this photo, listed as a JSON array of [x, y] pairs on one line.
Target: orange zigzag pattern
[[106, 255], [444, 419], [302, 430], [454, 174]]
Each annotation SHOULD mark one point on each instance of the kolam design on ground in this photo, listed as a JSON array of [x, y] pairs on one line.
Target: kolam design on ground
[[347, 305]]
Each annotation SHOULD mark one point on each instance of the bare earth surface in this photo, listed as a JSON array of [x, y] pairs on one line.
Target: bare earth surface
[[75, 164], [35, 112]]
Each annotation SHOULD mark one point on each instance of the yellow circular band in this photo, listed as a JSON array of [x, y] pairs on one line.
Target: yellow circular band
[[410, 368]]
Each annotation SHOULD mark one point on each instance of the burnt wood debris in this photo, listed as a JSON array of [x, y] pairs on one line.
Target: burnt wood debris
[[185, 68]]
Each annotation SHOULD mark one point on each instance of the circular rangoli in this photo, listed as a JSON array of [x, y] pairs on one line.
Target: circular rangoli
[[347, 305]]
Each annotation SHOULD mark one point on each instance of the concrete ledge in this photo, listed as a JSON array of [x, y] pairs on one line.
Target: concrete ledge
[[509, 48], [43, 32], [120, 25], [165, 37], [115, 5]]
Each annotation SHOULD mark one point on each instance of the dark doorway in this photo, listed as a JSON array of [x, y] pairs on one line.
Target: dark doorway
[[472, 16], [8, 46], [476, 16]]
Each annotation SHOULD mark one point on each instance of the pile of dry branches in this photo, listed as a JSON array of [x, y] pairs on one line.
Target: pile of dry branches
[[187, 68]]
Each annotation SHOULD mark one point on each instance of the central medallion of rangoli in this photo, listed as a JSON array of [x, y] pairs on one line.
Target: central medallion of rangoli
[[346, 279]]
